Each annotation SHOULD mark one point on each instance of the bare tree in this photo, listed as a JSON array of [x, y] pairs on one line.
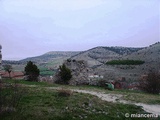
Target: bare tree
[[8, 68], [151, 83]]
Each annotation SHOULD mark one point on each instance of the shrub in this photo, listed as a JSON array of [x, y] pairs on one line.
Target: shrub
[[151, 83], [68, 60], [64, 93], [102, 83]]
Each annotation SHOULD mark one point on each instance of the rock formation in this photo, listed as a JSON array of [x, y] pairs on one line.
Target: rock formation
[[79, 71], [82, 74]]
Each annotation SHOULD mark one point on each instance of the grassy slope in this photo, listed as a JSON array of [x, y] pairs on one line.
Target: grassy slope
[[131, 95], [43, 104]]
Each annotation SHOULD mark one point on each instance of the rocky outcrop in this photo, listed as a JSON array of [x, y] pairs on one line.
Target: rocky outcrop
[[81, 73], [79, 70]]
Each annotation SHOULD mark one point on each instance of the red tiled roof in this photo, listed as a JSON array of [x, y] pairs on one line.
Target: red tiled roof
[[13, 74]]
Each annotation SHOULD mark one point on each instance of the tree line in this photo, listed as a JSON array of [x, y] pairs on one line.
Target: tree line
[[125, 62]]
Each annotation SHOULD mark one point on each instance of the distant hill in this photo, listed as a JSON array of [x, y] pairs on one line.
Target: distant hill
[[150, 55], [49, 60], [49, 56], [100, 55], [94, 56]]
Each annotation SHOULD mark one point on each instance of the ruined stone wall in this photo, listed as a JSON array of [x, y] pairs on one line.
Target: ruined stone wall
[[0, 60], [0, 54]]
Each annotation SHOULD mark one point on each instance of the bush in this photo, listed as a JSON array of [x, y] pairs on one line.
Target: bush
[[102, 83], [64, 93], [151, 83]]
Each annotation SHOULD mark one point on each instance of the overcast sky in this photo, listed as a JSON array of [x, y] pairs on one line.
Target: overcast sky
[[34, 27]]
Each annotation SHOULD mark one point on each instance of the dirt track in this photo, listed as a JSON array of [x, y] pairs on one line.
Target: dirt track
[[155, 109], [115, 98]]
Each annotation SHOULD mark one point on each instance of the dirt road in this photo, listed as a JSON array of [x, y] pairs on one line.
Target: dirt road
[[155, 109], [115, 98]]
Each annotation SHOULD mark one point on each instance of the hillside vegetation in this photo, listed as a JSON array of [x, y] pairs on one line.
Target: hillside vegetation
[[99, 55], [125, 62]]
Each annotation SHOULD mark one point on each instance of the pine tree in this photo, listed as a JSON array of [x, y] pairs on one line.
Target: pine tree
[[65, 74], [32, 71]]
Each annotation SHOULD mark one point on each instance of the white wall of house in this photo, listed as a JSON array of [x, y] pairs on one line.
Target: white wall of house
[[95, 76]]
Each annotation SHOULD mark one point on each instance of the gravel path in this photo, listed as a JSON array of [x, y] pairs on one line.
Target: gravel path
[[155, 109]]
